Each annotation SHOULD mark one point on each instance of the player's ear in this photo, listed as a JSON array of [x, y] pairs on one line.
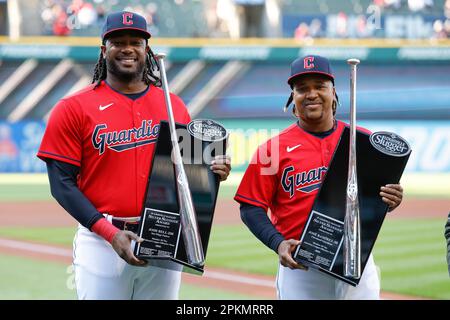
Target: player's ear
[[335, 101], [294, 111], [103, 48]]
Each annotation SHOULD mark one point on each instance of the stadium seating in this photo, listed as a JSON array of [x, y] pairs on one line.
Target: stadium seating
[[260, 90]]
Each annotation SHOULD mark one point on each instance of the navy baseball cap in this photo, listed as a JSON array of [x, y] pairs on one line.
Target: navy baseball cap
[[311, 64], [125, 20]]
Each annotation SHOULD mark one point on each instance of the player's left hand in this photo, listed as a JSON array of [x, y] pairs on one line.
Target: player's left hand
[[285, 249], [392, 195], [222, 166]]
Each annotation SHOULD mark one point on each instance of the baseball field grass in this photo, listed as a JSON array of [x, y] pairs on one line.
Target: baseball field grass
[[28, 279], [41, 191], [410, 252], [31, 187], [21, 192]]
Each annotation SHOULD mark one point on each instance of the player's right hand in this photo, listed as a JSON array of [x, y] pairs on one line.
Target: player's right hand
[[121, 243], [285, 254]]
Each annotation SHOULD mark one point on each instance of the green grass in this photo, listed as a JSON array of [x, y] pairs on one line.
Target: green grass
[[190, 292], [227, 191], [53, 235], [41, 192], [31, 187], [412, 257], [24, 192], [410, 252], [234, 247], [27, 279]]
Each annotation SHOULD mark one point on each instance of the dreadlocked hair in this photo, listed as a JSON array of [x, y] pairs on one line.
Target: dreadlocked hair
[[99, 71], [149, 75], [151, 66]]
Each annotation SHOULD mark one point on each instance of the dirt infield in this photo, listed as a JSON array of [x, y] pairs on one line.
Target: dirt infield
[[50, 213], [34, 214]]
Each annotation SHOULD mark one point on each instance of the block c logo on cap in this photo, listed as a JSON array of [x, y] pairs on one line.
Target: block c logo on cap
[[308, 63], [127, 18]]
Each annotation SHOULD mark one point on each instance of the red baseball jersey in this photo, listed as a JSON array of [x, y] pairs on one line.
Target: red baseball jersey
[[111, 138], [285, 175]]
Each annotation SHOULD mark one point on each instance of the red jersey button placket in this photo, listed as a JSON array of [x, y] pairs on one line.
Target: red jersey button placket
[[138, 118], [327, 153], [324, 150], [141, 167], [136, 114], [137, 121]]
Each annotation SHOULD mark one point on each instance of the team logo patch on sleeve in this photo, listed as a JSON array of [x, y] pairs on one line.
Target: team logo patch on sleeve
[[124, 139], [305, 181]]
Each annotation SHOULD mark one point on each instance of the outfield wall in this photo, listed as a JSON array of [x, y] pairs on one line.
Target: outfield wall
[[430, 142], [429, 165], [390, 51]]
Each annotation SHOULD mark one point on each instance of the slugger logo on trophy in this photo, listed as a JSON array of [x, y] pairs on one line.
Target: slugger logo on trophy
[[348, 212], [182, 191]]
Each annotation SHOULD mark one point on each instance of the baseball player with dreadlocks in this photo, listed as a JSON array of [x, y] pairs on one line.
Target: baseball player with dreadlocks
[[98, 147]]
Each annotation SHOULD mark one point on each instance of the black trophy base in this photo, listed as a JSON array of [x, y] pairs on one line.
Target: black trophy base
[[322, 238]]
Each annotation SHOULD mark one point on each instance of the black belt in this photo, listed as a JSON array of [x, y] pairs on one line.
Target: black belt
[[126, 225]]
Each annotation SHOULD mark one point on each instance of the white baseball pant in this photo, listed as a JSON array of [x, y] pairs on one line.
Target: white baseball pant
[[100, 274], [315, 285]]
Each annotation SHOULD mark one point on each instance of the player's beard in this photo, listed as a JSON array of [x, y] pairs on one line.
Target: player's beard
[[125, 75]]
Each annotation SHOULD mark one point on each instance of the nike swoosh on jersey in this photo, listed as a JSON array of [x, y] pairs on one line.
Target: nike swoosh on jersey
[[289, 149], [101, 108]]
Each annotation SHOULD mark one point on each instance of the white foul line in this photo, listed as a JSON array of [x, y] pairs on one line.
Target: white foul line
[[239, 279], [52, 250], [41, 248], [36, 248]]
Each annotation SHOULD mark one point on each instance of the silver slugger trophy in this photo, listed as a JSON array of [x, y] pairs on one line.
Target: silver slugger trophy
[[190, 230], [348, 211], [352, 236]]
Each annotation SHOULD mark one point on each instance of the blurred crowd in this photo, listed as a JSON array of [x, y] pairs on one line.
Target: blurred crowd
[[442, 27], [241, 18], [360, 25], [64, 17], [60, 17], [411, 5]]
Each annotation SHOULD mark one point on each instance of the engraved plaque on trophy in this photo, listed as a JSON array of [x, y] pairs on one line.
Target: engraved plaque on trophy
[[161, 231]]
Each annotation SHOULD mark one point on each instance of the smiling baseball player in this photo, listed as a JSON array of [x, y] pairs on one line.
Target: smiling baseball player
[[285, 176], [98, 146]]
